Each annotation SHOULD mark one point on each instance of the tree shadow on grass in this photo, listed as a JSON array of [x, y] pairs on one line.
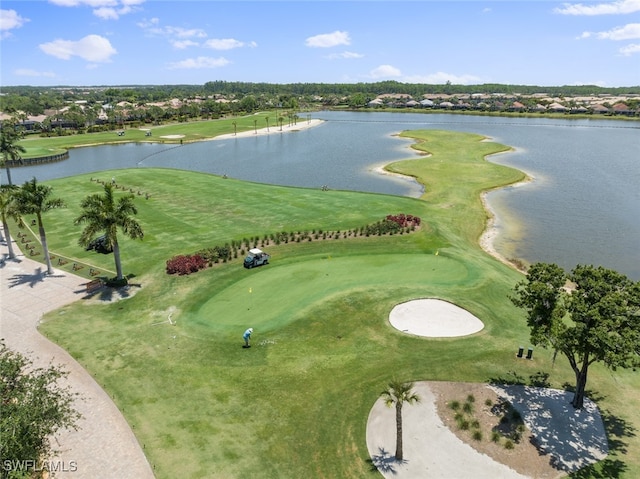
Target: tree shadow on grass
[[384, 462]]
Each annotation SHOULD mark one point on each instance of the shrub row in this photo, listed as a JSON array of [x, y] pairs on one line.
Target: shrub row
[[391, 224]]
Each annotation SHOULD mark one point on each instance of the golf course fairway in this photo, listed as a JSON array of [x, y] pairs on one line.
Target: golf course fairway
[[295, 404]]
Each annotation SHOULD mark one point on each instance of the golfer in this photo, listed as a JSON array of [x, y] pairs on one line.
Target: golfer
[[247, 336]]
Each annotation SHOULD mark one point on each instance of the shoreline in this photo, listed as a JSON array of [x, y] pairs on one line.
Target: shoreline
[[272, 130], [491, 229], [175, 139]]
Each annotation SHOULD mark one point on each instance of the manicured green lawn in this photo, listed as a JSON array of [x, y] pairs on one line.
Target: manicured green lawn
[[296, 403]]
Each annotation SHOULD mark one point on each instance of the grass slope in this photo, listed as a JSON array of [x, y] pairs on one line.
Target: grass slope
[[296, 403]]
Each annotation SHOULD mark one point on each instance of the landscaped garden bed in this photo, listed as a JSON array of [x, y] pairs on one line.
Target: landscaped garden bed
[[187, 264]]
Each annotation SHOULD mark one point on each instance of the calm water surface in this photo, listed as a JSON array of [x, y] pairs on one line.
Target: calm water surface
[[582, 207]]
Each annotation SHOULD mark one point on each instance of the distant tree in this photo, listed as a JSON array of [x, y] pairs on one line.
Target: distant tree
[[591, 315], [398, 393], [357, 100], [101, 213], [35, 199], [34, 407], [9, 147], [8, 208], [248, 103]]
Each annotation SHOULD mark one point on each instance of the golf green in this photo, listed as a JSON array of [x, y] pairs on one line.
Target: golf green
[[270, 297]]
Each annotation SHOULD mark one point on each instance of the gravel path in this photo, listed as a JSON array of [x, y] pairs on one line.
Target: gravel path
[[104, 445]]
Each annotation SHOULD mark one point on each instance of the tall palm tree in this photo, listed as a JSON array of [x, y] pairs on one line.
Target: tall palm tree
[[103, 214], [9, 147], [35, 199], [8, 209], [398, 393]]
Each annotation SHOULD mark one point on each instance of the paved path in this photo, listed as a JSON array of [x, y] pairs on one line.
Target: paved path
[[104, 446], [431, 449]]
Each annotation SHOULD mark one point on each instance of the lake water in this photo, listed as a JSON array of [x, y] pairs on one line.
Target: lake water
[[583, 206]]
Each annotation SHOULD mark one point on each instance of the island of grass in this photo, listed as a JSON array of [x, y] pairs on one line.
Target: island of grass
[[296, 403]]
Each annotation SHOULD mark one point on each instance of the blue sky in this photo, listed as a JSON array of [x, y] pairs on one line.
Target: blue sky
[[132, 42]]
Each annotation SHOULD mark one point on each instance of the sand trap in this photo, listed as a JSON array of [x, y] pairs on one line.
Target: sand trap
[[434, 318], [172, 137]]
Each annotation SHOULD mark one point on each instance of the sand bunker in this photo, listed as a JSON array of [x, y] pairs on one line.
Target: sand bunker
[[172, 137], [434, 318]]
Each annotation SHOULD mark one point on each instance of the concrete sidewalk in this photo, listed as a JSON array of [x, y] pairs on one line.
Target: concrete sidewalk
[[104, 445]]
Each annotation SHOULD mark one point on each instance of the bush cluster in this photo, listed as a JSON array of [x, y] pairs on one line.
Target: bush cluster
[[404, 220], [184, 264]]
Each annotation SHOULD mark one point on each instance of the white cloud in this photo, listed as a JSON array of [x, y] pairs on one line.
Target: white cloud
[[627, 32], [182, 44], [92, 48], [630, 49], [27, 72], [227, 44], [185, 33], [106, 13], [144, 24], [347, 55], [88, 3], [610, 8], [327, 40], [439, 78], [104, 9], [10, 19], [385, 71], [152, 27], [199, 62]]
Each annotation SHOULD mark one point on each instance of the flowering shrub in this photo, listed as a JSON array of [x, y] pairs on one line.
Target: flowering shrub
[[404, 220], [182, 264]]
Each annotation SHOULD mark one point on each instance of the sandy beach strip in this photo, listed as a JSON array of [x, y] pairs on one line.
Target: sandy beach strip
[[272, 130]]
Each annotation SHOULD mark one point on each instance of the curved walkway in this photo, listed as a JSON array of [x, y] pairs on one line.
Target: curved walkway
[[104, 445]]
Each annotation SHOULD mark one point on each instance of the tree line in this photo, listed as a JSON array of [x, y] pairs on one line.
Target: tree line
[[35, 100]]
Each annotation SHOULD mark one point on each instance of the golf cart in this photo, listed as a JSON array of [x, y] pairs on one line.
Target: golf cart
[[256, 257]]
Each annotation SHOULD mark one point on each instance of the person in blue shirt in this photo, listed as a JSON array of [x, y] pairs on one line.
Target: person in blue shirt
[[247, 336]]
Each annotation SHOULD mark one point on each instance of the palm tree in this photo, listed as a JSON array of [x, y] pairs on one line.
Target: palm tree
[[399, 393], [8, 209], [9, 147], [35, 199], [103, 214]]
